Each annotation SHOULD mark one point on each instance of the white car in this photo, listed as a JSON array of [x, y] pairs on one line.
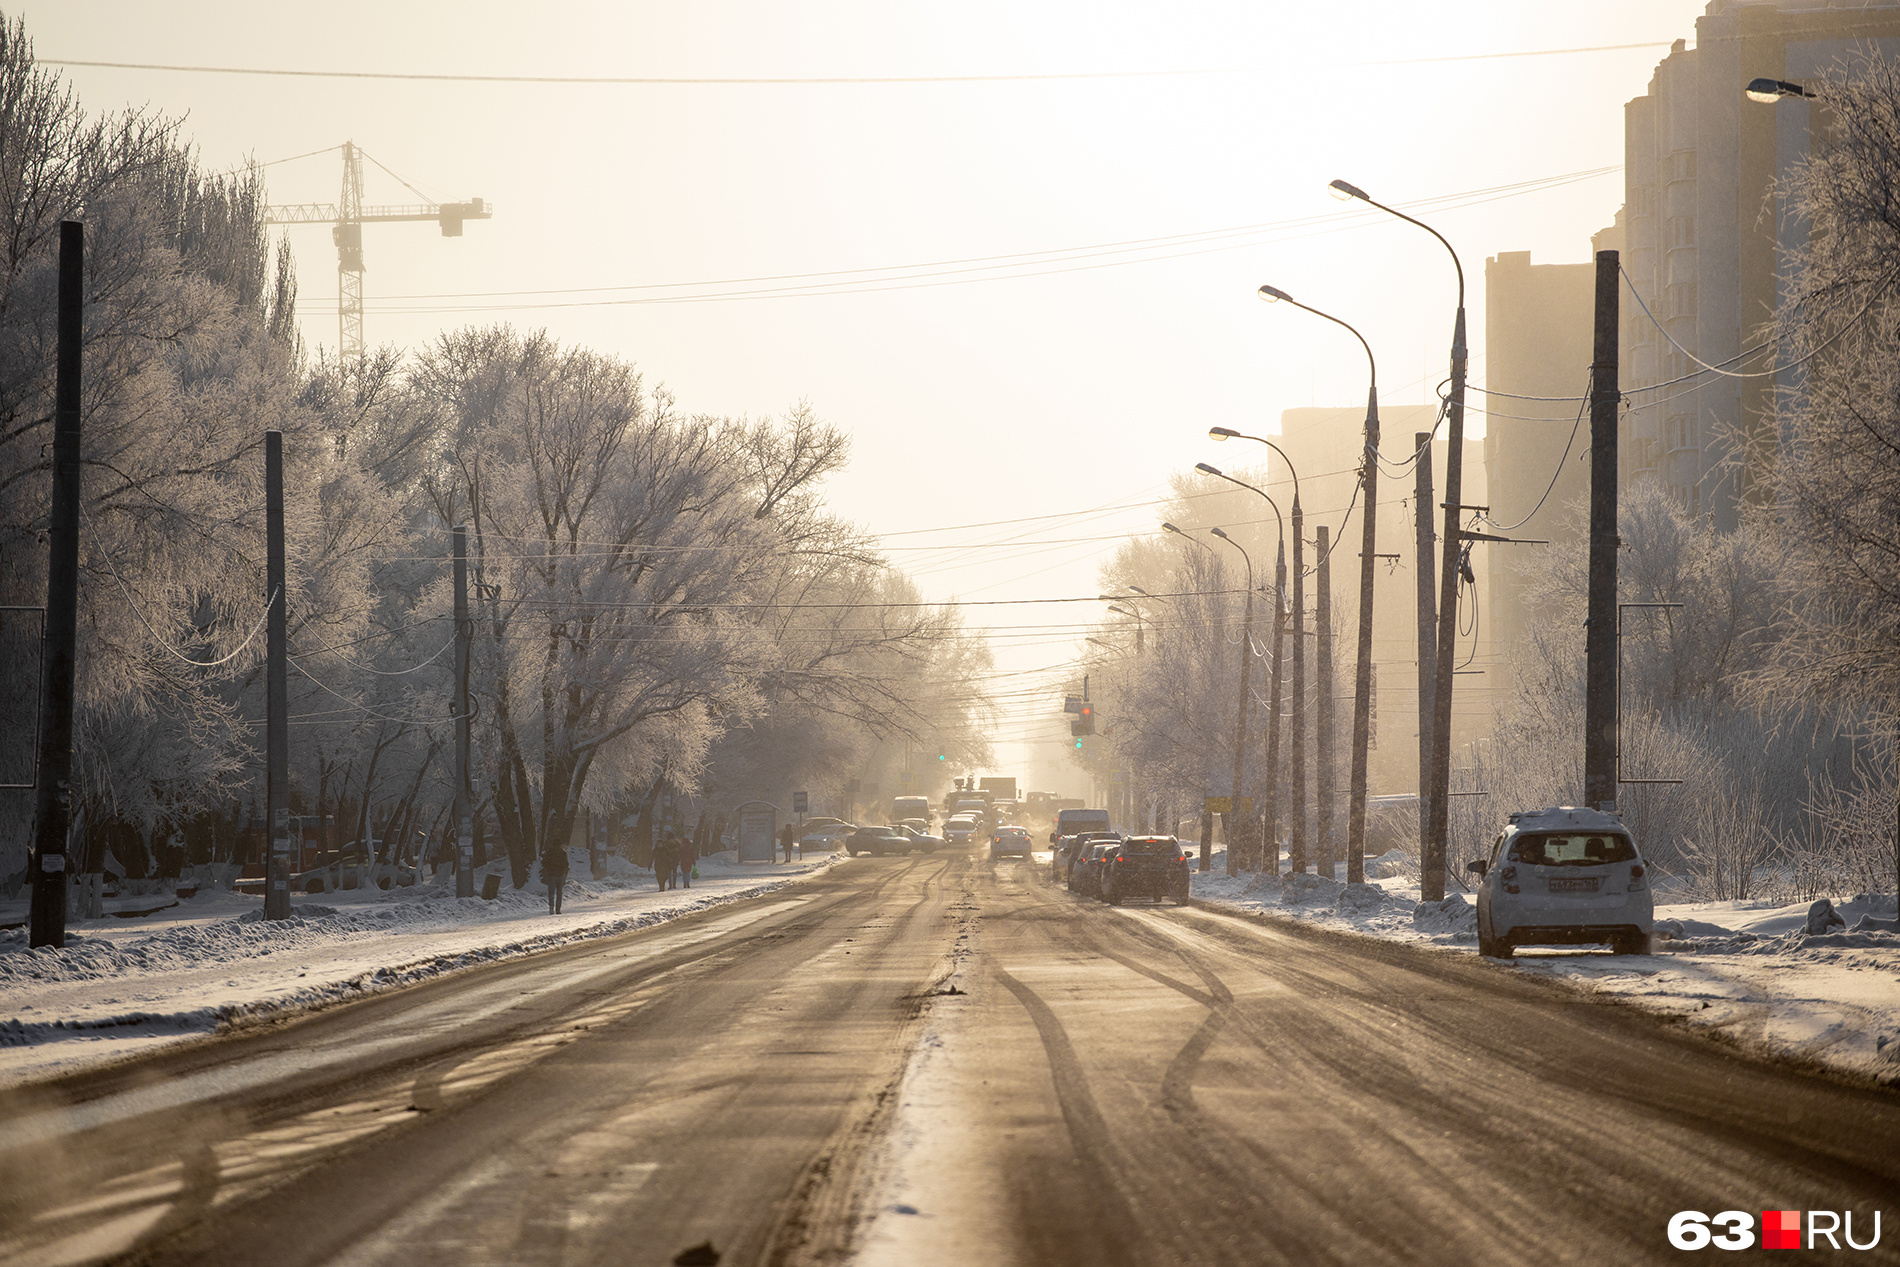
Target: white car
[[1563, 876]]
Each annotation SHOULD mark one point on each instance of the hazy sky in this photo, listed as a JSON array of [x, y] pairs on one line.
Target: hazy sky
[[1077, 380]]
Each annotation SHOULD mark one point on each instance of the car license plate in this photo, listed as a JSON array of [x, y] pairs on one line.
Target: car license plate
[[1574, 884]]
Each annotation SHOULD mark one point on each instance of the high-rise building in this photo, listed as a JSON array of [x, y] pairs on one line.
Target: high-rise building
[[1706, 236]]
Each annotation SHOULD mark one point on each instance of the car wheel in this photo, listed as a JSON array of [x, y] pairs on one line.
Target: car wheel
[[1114, 897], [853, 852], [1630, 944], [1489, 946]]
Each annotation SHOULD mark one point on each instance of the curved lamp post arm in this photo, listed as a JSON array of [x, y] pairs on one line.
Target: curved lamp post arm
[[1353, 191], [1205, 469], [1228, 433]]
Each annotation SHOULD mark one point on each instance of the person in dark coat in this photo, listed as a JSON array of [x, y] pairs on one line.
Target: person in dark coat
[[788, 838], [688, 859], [554, 875], [665, 858]]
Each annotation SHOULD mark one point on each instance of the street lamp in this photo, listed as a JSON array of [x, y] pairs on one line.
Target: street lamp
[[1432, 868], [1296, 842], [1136, 617], [1769, 91], [1240, 719], [1271, 809], [1368, 556]]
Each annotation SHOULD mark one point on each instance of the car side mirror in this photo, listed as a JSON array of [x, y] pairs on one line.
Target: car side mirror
[[1478, 865]]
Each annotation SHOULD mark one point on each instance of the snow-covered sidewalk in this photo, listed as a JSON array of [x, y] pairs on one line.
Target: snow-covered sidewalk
[[124, 986], [1748, 969]]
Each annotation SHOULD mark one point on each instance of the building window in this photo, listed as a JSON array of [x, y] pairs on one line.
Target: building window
[[1681, 166], [1642, 200], [1679, 299], [1681, 231]]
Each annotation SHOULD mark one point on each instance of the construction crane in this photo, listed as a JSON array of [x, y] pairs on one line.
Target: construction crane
[[346, 220]]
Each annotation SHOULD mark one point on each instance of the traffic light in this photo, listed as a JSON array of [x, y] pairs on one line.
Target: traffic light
[[1078, 743], [943, 756], [1084, 724]]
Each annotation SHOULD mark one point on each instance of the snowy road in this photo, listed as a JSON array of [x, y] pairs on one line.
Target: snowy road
[[794, 1080]]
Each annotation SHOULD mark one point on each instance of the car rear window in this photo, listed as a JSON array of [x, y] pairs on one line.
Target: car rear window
[[1574, 850], [1164, 847]]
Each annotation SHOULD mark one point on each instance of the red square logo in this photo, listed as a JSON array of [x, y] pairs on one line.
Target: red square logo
[[1781, 1229]]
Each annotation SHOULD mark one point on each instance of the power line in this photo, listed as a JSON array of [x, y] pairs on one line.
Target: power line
[[813, 81]]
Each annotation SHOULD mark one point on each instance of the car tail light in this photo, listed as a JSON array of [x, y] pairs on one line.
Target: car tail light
[[1636, 876], [1509, 877]]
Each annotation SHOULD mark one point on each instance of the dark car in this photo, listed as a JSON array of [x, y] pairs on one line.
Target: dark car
[[1086, 879], [1146, 866], [1070, 850]]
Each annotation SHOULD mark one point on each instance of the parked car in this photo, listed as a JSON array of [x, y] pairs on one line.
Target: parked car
[[1070, 851], [1010, 842], [1146, 866], [1563, 876], [877, 841], [1086, 878]]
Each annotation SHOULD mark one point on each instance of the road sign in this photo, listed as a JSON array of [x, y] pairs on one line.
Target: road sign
[[1219, 804], [801, 802]]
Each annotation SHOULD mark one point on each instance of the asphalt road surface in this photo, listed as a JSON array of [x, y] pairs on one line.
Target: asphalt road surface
[[940, 1059]]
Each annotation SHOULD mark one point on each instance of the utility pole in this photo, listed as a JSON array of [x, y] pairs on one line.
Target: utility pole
[[1323, 777], [1432, 861], [1362, 677], [1427, 624], [1296, 845], [276, 688], [1271, 844], [464, 809], [1599, 708], [53, 794]]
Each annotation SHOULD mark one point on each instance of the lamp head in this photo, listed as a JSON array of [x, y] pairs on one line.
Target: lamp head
[[1121, 611], [1344, 191], [1217, 532], [1273, 294], [1221, 433], [1769, 91], [1140, 590], [1205, 469], [1166, 527]]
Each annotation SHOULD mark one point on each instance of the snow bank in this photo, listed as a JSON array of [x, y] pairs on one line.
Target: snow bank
[[119, 987], [1750, 970]]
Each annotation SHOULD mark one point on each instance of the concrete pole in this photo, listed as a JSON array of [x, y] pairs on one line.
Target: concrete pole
[[1599, 709], [1234, 817], [1271, 807], [277, 863], [1362, 689], [1427, 623], [1432, 861], [53, 790], [1326, 773], [1296, 845]]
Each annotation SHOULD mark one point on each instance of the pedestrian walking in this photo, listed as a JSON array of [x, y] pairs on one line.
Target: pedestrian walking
[[665, 858], [689, 858], [788, 837], [554, 875]]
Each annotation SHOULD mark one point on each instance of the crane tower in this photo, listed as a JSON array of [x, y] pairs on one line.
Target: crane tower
[[346, 219]]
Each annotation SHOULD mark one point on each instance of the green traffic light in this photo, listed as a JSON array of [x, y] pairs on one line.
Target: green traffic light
[[941, 757]]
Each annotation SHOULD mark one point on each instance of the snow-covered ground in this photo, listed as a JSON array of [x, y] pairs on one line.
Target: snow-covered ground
[[1750, 970], [120, 987]]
